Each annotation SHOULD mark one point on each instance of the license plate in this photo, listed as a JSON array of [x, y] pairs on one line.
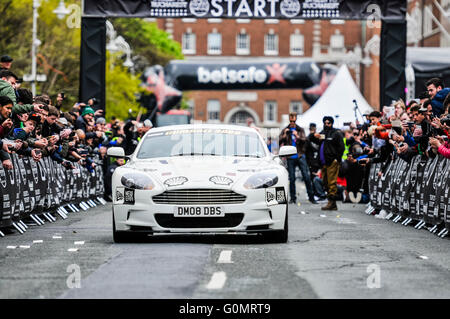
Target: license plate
[[199, 211]]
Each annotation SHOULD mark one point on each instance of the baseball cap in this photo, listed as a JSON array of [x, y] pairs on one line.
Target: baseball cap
[[6, 58], [423, 110], [148, 123]]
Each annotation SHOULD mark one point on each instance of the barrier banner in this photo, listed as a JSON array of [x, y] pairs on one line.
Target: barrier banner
[[442, 193], [36, 188], [257, 9], [386, 187], [431, 179], [419, 189], [5, 199]]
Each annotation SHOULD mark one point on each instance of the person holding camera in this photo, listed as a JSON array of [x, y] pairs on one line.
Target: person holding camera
[[331, 150], [440, 143], [295, 135], [437, 93]]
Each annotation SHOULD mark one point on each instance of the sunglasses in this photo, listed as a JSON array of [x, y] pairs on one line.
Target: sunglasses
[[292, 121]]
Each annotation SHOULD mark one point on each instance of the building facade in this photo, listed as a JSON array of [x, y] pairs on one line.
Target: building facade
[[325, 41], [428, 23]]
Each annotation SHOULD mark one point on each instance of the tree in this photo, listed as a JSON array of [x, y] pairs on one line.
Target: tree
[[121, 87], [59, 53]]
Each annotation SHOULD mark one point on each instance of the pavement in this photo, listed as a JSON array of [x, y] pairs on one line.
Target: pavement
[[338, 254]]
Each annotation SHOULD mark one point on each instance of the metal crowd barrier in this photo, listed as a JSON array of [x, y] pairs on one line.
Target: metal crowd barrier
[[415, 192], [37, 191]]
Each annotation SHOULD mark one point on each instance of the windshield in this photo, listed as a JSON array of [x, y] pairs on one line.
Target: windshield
[[215, 142]]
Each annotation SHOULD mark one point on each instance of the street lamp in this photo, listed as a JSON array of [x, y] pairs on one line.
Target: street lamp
[[118, 43], [61, 12]]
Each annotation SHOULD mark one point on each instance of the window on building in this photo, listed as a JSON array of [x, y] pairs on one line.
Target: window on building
[[213, 109], [271, 43], [297, 43], [270, 111], [214, 43], [188, 42], [336, 21], [243, 43], [337, 42], [296, 106]]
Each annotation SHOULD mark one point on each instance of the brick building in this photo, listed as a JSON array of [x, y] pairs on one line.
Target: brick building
[[428, 23], [334, 41]]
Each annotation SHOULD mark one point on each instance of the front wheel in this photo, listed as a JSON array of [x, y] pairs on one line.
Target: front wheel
[[126, 237]]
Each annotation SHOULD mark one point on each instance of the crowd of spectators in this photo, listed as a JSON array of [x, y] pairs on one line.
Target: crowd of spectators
[[37, 126], [339, 160]]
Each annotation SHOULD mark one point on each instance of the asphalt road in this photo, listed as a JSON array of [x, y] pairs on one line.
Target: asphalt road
[[339, 254]]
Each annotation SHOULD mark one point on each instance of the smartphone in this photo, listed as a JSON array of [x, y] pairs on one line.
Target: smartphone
[[38, 152], [63, 95], [322, 136]]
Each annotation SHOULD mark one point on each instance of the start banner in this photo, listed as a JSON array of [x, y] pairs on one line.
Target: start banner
[[256, 9]]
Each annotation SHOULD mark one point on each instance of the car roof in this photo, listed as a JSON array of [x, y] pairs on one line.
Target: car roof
[[202, 126]]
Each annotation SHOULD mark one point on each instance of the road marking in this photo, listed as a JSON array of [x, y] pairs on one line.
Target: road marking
[[217, 280], [225, 257], [423, 257], [38, 241], [79, 243], [11, 247], [24, 246], [56, 237], [72, 249], [323, 216]]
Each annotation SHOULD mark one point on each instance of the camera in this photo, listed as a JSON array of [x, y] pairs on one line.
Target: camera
[[401, 144], [411, 125], [83, 152], [63, 96], [11, 147], [446, 120]]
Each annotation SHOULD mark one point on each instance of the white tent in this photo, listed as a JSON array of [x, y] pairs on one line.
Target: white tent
[[337, 101]]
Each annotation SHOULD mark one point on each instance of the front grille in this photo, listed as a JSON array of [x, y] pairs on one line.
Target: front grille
[[199, 197], [170, 221]]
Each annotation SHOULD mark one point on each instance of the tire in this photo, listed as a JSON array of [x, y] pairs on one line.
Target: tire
[[278, 236], [125, 237]]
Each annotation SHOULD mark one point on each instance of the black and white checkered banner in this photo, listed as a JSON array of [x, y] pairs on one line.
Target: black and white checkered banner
[[35, 188]]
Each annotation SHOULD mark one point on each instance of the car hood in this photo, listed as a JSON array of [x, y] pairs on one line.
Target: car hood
[[198, 170]]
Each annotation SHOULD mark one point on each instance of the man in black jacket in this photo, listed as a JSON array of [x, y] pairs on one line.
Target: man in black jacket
[[295, 135], [331, 149]]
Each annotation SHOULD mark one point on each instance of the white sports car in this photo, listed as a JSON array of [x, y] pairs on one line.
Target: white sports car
[[201, 179]]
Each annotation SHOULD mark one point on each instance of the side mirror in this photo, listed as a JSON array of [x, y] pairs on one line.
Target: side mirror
[[287, 151], [116, 152]]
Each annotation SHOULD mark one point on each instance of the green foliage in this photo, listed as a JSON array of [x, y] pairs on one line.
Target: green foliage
[[148, 41], [122, 88], [59, 52]]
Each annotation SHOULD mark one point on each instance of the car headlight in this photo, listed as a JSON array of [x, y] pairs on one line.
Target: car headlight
[[261, 180], [137, 181]]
